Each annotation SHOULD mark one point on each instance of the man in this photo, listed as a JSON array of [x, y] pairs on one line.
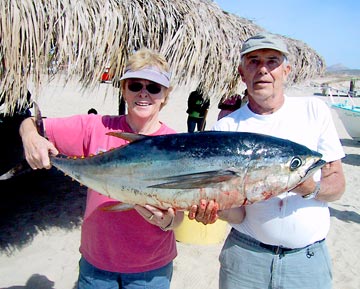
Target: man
[[279, 243]]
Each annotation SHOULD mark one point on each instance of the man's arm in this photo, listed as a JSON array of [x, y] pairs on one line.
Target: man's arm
[[332, 183]]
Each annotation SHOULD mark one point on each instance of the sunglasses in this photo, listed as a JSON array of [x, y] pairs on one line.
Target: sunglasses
[[152, 88]]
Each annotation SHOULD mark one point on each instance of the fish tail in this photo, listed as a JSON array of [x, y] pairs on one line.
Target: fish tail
[[18, 170]]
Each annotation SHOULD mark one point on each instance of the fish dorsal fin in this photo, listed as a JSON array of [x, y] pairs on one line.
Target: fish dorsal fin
[[196, 181], [131, 137]]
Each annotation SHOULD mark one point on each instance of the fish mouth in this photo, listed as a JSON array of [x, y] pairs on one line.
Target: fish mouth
[[314, 167]]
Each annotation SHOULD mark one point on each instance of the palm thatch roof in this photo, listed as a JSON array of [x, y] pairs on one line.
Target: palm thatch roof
[[200, 41]]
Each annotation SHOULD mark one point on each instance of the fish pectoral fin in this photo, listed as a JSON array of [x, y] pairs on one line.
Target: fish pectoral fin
[[117, 207], [131, 137], [196, 181]]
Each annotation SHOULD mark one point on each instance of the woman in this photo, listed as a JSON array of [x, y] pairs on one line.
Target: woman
[[127, 249]]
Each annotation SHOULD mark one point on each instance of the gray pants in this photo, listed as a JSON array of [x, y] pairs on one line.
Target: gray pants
[[246, 263]]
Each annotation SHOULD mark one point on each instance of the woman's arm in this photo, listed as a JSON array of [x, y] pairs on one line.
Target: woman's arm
[[36, 147]]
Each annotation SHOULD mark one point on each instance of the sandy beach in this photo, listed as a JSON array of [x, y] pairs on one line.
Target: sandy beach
[[41, 211]]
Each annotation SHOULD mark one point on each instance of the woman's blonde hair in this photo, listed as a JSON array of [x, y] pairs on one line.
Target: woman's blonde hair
[[146, 57]]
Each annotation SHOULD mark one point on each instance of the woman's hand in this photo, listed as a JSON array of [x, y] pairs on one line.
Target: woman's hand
[[165, 219], [36, 147]]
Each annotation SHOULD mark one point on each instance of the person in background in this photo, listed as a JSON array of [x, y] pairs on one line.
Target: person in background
[[120, 249], [197, 111], [352, 91], [280, 242], [92, 110], [229, 104]]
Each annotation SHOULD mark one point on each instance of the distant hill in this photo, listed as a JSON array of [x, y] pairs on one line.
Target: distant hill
[[336, 67], [341, 69]]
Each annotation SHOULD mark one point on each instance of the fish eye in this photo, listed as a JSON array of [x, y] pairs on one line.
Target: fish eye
[[295, 163]]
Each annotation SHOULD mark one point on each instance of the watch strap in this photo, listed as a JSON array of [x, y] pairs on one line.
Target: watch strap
[[314, 194]]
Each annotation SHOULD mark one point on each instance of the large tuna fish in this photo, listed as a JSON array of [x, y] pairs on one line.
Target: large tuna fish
[[233, 168]]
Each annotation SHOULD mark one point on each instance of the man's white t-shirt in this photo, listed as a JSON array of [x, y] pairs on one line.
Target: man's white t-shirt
[[288, 220]]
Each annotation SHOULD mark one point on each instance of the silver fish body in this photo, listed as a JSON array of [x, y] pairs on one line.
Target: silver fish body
[[233, 168]]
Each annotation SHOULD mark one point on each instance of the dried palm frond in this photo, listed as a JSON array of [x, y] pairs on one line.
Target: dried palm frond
[[81, 37]]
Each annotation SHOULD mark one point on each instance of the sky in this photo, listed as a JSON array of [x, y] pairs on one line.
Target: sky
[[331, 27]]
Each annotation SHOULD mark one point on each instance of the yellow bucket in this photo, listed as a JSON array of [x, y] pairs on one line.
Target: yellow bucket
[[192, 232]]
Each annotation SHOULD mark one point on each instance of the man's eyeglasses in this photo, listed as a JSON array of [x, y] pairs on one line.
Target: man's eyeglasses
[[152, 88]]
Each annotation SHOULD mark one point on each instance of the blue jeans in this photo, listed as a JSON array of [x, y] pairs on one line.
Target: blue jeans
[[193, 122], [91, 277], [244, 263]]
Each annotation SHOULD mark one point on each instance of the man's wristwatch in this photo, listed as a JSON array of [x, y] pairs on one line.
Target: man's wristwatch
[[314, 193]]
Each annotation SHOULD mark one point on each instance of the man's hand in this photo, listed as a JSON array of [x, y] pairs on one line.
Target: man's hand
[[205, 213], [208, 213]]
